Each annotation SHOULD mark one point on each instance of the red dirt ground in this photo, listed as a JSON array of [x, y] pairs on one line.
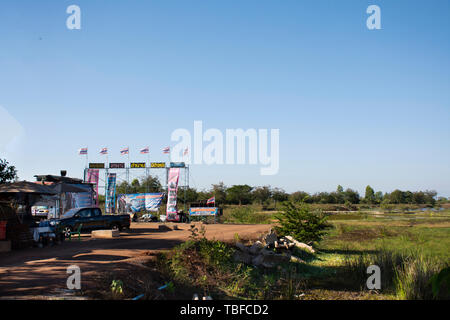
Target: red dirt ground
[[41, 272]]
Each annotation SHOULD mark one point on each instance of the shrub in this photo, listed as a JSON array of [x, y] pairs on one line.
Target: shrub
[[302, 223]]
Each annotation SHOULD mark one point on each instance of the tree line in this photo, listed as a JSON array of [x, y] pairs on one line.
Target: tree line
[[263, 195], [267, 195]]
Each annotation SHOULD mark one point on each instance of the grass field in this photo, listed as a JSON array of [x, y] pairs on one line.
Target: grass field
[[423, 235], [409, 249], [399, 241]]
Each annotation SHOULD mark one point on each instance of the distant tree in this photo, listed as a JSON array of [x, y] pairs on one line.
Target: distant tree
[[279, 195], [262, 194], [339, 195], [8, 173], [219, 191], [149, 184], [191, 195], [123, 188], [204, 195], [430, 196], [351, 196], [396, 197], [299, 196], [378, 197], [369, 196], [408, 197], [325, 197], [239, 194]]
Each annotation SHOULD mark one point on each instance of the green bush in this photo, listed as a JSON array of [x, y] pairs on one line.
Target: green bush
[[302, 223]]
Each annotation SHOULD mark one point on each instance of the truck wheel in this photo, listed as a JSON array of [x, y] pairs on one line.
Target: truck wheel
[[116, 227], [67, 231]]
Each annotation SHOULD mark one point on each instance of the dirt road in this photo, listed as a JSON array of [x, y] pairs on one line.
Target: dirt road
[[41, 272]]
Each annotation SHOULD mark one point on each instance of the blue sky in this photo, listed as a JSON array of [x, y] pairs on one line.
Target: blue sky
[[354, 106]]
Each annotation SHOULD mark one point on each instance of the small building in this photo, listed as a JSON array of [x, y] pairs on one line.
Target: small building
[[72, 193]]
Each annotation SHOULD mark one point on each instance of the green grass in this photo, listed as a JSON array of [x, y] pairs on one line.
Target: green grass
[[409, 248], [246, 215]]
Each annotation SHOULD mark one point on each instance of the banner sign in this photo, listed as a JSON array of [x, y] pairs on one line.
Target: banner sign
[[117, 165], [92, 177], [70, 200], [153, 201], [96, 166], [157, 165], [177, 165], [203, 211], [132, 203], [110, 202], [172, 190], [135, 165]]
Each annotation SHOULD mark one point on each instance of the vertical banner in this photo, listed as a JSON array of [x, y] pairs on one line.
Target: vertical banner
[[92, 177], [172, 189], [110, 202]]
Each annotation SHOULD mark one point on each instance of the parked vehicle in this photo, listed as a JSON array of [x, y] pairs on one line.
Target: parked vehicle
[[90, 218], [148, 217]]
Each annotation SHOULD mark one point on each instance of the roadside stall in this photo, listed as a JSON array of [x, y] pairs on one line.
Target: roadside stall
[[15, 210]]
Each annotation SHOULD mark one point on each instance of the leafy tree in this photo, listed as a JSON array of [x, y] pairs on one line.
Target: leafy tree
[[262, 194], [351, 196], [396, 197], [135, 184], [239, 194], [191, 195], [8, 173], [299, 196], [430, 196], [369, 196], [302, 223], [219, 191], [204, 195], [123, 188], [378, 197], [150, 184], [279, 195], [339, 195]]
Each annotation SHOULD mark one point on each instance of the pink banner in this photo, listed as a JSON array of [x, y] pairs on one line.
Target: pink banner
[[92, 177], [172, 190]]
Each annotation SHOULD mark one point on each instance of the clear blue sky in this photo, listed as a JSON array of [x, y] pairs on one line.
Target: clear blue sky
[[354, 106]]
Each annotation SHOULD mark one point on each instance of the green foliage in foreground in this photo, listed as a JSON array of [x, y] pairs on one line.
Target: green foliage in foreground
[[302, 223], [209, 267], [406, 275]]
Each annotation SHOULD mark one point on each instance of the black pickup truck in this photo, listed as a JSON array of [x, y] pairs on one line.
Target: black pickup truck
[[91, 219]]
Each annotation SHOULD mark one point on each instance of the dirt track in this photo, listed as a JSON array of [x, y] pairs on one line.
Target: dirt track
[[42, 271]]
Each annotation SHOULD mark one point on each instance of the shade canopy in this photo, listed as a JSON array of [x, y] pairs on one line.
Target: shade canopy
[[26, 188], [65, 187]]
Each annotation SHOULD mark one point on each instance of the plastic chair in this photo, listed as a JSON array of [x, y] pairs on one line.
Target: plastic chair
[[78, 231]]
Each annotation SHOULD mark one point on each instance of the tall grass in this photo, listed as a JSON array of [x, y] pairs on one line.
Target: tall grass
[[412, 279], [407, 275]]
